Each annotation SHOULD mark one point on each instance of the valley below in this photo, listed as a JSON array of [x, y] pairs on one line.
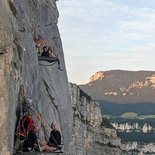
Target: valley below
[[127, 101], [137, 130]]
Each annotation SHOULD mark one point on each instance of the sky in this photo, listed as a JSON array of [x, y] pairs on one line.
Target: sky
[[101, 35]]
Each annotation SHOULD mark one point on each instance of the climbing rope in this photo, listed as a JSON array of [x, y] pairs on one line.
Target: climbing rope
[[18, 141]]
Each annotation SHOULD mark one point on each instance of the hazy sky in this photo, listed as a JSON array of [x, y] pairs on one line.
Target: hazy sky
[[100, 35]]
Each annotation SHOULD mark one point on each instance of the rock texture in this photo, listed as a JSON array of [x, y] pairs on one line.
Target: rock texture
[[45, 85], [89, 137], [122, 86]]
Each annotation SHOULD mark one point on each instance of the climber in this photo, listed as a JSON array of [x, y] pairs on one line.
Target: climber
[[55, 137], [31, 139], [25, 124], [39, 43], [28, 122], [45, 52], [32, 142]]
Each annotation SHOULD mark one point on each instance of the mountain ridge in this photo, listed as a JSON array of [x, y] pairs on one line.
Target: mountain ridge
[[122, 86]]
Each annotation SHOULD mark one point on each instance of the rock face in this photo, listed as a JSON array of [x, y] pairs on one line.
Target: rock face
[[19, 66], [122, 86], [88, 136]]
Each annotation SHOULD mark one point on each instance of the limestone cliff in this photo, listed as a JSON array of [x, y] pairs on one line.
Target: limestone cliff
[[89, 137], [45, 85]]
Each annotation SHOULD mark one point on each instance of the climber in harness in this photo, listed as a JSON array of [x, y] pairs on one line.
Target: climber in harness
[[45, 53], [49, 56], [30, 141], [39, 43], [55, 137], [25, 120], [28, 122]]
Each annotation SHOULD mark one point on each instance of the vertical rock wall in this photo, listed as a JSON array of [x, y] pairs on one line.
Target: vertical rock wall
[[9, 79], [45, 85], [89, 137]]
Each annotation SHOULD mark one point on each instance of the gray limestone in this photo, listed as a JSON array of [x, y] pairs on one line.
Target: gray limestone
[[88, 136], [45, 85]]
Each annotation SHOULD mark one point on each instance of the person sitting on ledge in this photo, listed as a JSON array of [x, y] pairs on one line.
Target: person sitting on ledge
[[45, 52], [39, 43], [32, 141], [55, 137]]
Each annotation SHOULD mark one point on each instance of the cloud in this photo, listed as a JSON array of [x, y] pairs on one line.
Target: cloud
[[106, 34]]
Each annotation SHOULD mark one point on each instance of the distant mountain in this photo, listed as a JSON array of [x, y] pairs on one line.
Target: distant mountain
[[120, 86], [122, 95]]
